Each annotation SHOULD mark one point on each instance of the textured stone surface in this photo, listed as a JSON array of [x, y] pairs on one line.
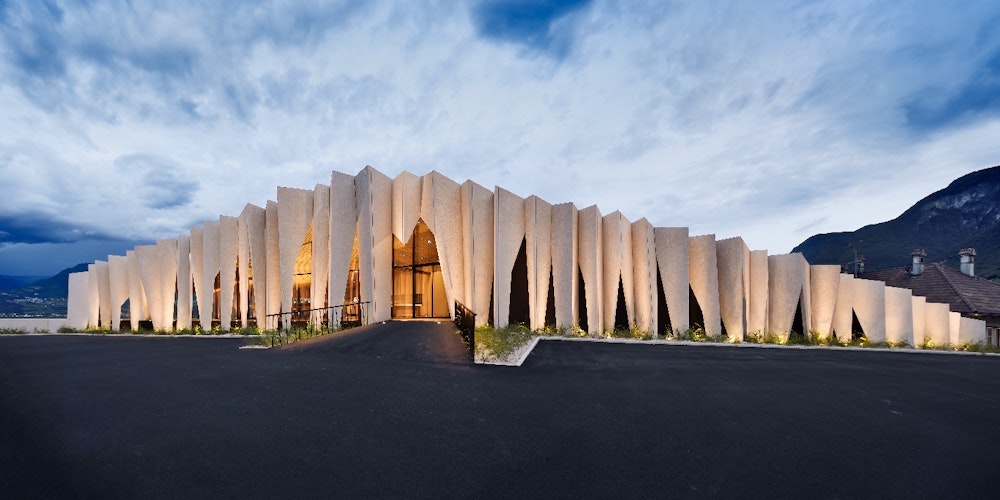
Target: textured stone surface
[[538, 247], [184, 282], [898, 315], [565, 264], [118, 280], [590, 253], [731, 257], [918, 306], [644, 276], [971, 331], [211, 268], [373, 195], [295, 212], [198, 272], [103, 292], [954, 328], [78, 300], [166, 255], [406, 191], [319, 292], [508, 235], [229, 253], [869, 305], [672, 263], [703, 275], [138, 308], [477, 244], [148, 260], [441, 210], [616, 242], [758, 291], [343, 234], [786, 292], [825, 287], [937, 323], [273, 250], [843, 312]]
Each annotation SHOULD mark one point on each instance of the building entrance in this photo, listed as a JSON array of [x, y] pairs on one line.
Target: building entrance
[[417, 284]]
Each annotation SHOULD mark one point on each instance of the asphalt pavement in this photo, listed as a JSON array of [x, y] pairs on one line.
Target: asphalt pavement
[[397, 410]]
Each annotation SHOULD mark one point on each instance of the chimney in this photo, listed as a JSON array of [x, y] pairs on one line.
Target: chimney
[[967, 256], [918, 262]]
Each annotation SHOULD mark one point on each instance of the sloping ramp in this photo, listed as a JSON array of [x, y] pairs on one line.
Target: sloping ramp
[[430, 340]]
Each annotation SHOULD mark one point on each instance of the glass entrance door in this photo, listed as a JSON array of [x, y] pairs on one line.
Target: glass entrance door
[[417, 283]]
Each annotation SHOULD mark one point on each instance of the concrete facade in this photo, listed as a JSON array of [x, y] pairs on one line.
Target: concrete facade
[[584, 270]]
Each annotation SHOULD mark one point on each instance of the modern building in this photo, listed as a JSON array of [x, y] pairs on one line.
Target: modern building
[[411, 247], [961, 289]]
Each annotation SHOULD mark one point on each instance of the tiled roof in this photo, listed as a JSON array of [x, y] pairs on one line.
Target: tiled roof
[[946, 285]]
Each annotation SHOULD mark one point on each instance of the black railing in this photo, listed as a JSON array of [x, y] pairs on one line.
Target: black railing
[[465, 320], [313, 322]]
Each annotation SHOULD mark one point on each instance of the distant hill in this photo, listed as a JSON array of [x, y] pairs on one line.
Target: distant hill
[[44, 297], [12, 282], [966, 214]]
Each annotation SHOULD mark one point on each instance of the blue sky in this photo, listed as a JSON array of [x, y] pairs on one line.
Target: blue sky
[[123, 122]]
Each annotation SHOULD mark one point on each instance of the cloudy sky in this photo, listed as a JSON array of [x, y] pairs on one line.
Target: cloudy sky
[[123, 122]]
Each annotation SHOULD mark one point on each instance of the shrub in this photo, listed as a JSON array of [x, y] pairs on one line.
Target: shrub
[[67, 329], [499, 344], [12, 331]]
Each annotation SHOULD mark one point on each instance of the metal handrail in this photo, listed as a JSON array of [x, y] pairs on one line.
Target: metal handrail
[[465, 320], [344, 315]]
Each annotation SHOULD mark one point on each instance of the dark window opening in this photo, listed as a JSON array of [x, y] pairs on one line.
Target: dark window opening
[[662, 313], [550, 302], [581, 299], [857, 333], [520, 305], [695, 316], [621, 311]]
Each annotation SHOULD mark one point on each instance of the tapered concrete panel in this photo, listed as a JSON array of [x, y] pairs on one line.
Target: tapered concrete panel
[[138, 308], [118, 278], [166, 251], [590, 250], [672, 255], [295, 212], [703, 274], [441, 209], [211, 268], [78, 300], [406, 191], [509, 233], [477, 248], [757, 306], [319, 292], [104, 292], [644, 276], [787, 275], [843, 313], [616, 240], [538, 248], [954, 328], [198, 276], [971, 331], [869, 305], [731, 257], [937, 323], [343, 232], [148, 260], [229, 254], [184, 282], [273, 251], [373, 195], [253, 263], [565, 231], [825, 287], [919, 304], [898, 315]]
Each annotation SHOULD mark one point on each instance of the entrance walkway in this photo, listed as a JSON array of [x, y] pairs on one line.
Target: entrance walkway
[[436, 341]]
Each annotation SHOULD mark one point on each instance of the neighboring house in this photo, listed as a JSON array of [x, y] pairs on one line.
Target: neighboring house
[[961, 289]]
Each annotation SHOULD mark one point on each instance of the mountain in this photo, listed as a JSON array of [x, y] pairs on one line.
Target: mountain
[[12, 282], [966, 214], [45, 298]]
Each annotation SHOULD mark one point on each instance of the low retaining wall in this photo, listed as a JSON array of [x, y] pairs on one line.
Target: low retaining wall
[[31, 325]]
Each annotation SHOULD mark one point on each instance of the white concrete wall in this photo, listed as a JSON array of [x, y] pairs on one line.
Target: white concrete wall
[[78, 300], [343, 234], [825, 287], [672, 261], [565, 264], [616, 240], [759, 295], [441, 210], [39, 325], [406, 192], [843, 313], [373, 196], [295, 212], [918, 306], [229, 254], [118, 274], [538, 245], [272, 245], [255, 227], [971, 331], [148, 261], [898, 315], [198, 275], [478, 249], [508, 235], [788, 290], [644, 272], [104, 292], [211, 267], [138, 307], [319, 291], [731, 258], [184, 282], [937, 324], [869, 305], [703, 274], [590, 255]]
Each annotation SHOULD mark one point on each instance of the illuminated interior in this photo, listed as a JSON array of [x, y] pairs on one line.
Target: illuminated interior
[[417, 283]]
